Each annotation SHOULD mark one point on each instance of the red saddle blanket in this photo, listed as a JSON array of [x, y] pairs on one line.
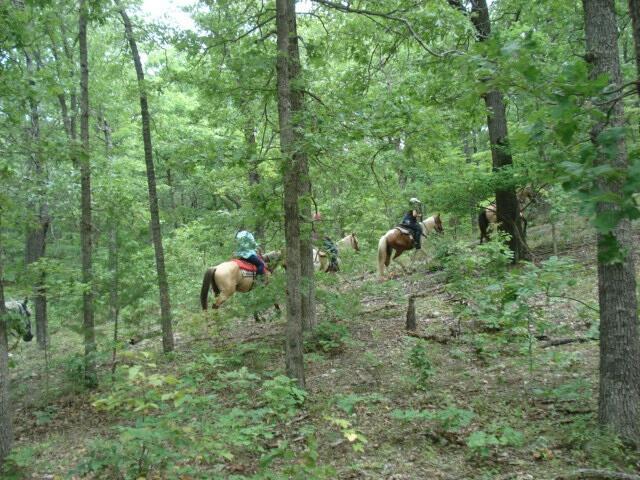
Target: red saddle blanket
[[244, 265]]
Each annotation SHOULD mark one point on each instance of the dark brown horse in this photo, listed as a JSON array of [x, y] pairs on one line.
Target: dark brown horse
[[400, 240]]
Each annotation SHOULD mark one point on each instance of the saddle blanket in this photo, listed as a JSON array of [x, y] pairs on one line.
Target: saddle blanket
[[245, 266]]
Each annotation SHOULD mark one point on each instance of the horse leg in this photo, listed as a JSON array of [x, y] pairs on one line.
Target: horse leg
[[395, 258], [483, 225], [222, 297]]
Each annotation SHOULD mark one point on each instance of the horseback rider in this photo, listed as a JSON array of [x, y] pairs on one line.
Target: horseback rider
[[411, 221], [246, 249], [328, 245]]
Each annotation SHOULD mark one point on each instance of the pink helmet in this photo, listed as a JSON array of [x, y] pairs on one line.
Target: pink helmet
[[317, 216]]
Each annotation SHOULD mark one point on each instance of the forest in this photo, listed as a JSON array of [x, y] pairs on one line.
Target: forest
[[319, 239]]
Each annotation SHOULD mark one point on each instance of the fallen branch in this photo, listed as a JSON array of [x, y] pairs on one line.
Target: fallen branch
[[597, 474], [383, 307], [564, 297], [579, 411], [434, 338], [564, 341]]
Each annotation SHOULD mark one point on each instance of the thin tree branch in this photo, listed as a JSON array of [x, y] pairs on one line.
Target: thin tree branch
[[388, 16]]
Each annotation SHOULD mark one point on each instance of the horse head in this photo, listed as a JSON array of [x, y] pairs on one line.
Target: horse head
[[354, 242], [438, 223], [273, 259]]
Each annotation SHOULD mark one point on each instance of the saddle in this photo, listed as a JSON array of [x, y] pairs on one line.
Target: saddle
[[404, 230], [247, 269]]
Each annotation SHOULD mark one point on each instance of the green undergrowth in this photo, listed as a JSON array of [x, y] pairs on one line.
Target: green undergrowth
[[202, 416], [487, 402]]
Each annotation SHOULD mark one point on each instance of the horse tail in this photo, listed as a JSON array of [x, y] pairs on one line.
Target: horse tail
[[483, 224], [209, 280], [383, 252]]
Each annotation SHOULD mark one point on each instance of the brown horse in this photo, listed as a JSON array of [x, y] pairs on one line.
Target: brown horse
[[400, 240], [228, 278]]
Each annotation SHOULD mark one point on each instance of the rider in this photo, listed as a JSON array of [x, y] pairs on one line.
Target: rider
[[327, 244], [246, 248], [411, 220]]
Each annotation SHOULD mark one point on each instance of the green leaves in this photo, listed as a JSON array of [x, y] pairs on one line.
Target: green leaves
[[481, 442]]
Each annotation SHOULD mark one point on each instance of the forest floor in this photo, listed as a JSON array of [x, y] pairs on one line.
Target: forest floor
[[493, 411]]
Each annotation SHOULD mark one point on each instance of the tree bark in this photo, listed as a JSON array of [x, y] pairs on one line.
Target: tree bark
[[36, 236], [6, 424], [254, 174], [619, 396], [469, 150], [307, 272], [112, 258], [172, 198], [294, 352], [156, 232], [634, 12], [507, 208], [90, 375]]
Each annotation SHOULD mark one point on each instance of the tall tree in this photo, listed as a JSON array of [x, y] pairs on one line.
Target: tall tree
[[6, 425], [90, 375], [156, 232], [634, 12], [619, 396], [36, 236], [507, 208], [308, 307], [292, 173]]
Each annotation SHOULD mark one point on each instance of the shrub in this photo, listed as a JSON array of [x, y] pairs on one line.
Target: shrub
[[328, 337]]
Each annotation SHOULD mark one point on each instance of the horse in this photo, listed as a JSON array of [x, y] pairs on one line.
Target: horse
[[350, 240], [21, 315], [433, 223], [400, 239], [488, 216], [228, 278], [321, 259]]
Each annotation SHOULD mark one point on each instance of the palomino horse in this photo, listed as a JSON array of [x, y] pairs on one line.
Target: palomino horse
[[400, 239], [350, 241], [228, 278], [489, 217], [320, 258]]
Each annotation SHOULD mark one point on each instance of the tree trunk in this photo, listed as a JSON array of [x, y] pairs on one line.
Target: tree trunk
[[294, 353], [36, 236], [254, 175], [507, 208], [90, 376], [112, 259], [156, 232], [6, 424], [469, 150], [307, 272], [619, 397], [634, 12], [172, 198]]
